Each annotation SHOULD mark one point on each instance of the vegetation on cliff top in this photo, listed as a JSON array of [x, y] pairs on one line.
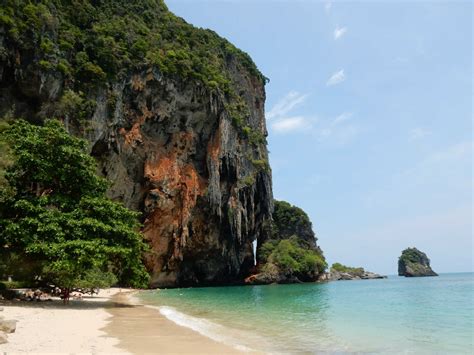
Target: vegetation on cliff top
[[55, 221], [291, 253], [90, 41], [356, 271], [289, 220], [414, 262], [291, 258], [93, 44], [413, 255]]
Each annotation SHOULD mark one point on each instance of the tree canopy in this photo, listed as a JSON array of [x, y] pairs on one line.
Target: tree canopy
[[56, 218], [357, 271], [290, 257]]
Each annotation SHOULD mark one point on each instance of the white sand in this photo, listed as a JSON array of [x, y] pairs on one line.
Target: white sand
[[53, 328]]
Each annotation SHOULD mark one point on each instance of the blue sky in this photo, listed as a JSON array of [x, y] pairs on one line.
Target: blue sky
[[369, 112]]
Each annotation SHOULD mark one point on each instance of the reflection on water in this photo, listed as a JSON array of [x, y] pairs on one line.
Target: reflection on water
[[396, 314]]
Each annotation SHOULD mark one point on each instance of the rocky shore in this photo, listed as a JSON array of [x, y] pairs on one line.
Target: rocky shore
[[334, 275]]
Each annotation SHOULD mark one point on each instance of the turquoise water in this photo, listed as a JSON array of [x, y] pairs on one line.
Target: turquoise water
[[398, 315]]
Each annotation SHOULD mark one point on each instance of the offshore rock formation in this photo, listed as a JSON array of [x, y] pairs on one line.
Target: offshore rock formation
[[291, 255], [414, 263], [343, 272], [334, 275], [180, 134]]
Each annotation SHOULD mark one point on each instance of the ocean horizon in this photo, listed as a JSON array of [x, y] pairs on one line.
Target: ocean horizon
[[393, 315]]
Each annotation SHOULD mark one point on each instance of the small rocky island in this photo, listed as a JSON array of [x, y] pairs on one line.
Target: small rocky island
[[414, 263], [343, 272]]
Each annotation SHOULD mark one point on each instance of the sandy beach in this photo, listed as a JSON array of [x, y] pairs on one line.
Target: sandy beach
[[108, 323], [143, 330]]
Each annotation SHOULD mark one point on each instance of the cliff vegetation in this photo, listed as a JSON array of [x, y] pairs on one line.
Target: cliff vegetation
[[87, 44], [291, 255], [357, 271]]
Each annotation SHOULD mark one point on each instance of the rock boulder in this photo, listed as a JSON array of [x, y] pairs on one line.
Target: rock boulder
[[7, 326]]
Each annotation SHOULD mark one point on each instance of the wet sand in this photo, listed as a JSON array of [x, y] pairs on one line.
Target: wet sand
[[143, 330]]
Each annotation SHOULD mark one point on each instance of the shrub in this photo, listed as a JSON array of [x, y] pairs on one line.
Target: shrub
[[293, 259], [357, 271]]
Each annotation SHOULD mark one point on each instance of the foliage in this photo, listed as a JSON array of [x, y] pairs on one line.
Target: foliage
[[74, 105], [96, 40], [413, 255], [292, 251], [91, 44], [289, 220], [357, 271], [58, 216], [6, 158], [95, 278], [284, 214], [255, 137], [261, 165], [13, 264], [292, 258], [248, 180], [8, 285]]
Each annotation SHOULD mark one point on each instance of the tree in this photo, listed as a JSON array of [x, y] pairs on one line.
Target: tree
[[291, 257], [57, 217]]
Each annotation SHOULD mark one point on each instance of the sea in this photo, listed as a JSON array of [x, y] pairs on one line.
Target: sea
[[395, 315]]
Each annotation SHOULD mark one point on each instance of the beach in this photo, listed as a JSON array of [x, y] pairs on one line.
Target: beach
[[424, 315], [107, 323]]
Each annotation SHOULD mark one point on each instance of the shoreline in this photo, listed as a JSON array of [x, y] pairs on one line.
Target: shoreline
[[141, 329], [108, 323]]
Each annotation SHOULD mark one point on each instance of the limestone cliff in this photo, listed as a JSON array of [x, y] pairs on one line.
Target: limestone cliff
[[174, 116]]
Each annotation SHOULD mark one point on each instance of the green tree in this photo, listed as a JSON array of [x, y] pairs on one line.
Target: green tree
[[5, 153], [58, 218], [357, 271], [289, 257]]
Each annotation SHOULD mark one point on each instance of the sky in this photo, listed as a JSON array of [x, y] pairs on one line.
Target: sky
[[369, 113]]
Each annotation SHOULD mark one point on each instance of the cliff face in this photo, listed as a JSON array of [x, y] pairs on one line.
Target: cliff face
[[176, 156], [414, 263], [186, 148]]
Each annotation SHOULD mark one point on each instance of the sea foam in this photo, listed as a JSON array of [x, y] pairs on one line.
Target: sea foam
[[205, 327]]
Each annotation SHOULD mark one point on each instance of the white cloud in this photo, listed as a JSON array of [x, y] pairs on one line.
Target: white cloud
[[342, 118], [291, 124], [419, 133], [339, 32], [285, 105], [283, 120], [336, 78]]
